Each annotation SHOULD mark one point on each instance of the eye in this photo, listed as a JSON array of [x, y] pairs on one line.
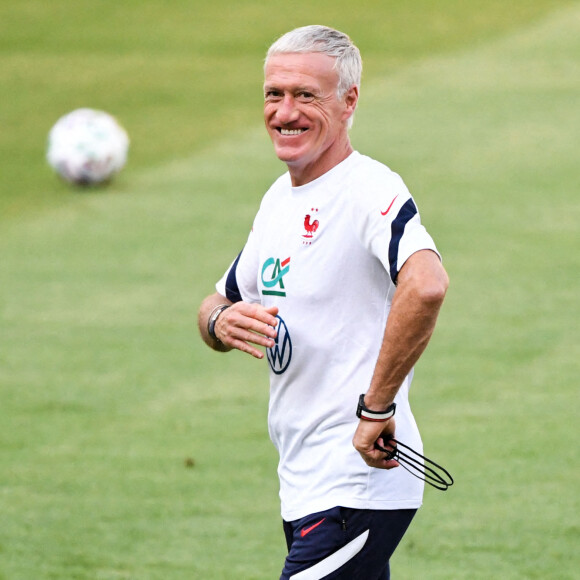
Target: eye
[[304, 97], [273, 95]]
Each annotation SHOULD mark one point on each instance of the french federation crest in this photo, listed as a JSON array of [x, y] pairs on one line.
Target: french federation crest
[[310, 226]]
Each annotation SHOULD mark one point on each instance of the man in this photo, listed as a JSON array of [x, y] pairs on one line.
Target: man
[[342, 285]]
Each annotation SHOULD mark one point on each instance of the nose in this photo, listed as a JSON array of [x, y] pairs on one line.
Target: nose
[[287, 111]]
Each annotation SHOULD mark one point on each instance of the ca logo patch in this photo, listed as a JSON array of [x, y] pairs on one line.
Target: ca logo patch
[[280, 355], [273, 272]]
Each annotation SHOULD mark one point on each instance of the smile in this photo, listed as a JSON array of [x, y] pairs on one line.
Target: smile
[[292, 131]]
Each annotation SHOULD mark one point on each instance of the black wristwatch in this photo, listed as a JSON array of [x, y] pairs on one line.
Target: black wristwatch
[[363, 412]]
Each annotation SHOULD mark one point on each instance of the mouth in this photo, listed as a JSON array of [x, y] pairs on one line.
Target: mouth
[[290, 132]]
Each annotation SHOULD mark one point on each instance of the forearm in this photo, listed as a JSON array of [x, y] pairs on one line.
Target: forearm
[[422, 285], [421, 288]]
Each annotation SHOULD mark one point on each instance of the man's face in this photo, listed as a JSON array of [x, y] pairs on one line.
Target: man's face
[[305, 120]]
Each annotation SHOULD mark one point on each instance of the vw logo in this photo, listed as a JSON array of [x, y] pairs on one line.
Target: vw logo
[[280, 354]]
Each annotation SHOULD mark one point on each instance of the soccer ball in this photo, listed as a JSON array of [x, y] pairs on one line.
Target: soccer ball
[[87, 147]]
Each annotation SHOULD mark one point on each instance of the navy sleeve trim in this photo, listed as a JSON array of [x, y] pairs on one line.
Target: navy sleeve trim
[[405, 215], [232, 289]]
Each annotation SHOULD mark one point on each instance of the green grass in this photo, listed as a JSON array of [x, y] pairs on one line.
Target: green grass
[[181, 74], [108, 396]]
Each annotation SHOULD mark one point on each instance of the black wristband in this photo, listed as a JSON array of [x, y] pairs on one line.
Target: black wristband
[[363, 412], [213, 319]]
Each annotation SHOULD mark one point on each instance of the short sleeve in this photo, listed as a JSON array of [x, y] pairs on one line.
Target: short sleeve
[[387, 220]]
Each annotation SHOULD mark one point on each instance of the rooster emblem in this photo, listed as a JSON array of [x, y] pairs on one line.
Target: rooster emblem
[[309, 226]]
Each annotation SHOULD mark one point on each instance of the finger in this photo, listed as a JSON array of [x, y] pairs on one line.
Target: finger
[[241, 327], [254, 317], [388, 464], [235, 334], [241, 323], [273, 311], [386, 444], [377, 458], [380, 462], [264, 329], [269, 318], [246, 341], [247, 348]]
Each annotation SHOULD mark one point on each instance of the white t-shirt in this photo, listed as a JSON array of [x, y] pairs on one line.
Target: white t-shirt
[[328, 254]]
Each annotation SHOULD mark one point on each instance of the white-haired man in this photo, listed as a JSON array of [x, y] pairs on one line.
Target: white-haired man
[[342, 285]]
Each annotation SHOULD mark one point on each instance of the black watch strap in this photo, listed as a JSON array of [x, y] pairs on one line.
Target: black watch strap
[[363, 412]]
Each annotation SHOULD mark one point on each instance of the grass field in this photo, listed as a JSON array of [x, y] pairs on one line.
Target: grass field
[[127, 448]]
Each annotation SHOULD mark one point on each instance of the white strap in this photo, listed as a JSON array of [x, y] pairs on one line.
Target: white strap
[[334, 561]]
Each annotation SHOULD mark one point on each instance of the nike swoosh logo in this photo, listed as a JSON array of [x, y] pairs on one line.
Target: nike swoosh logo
[[334, 561], [389, 208], [305, 531]]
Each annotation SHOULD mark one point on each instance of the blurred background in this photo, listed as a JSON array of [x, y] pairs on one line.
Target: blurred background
[[130, 450]]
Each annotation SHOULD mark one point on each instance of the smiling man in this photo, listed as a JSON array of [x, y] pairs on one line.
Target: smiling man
[[342, 285]]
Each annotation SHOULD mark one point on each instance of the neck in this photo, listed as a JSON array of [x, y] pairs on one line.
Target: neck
[[303, 174]]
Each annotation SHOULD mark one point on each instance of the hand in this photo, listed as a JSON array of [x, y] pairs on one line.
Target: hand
[[242, 325], [369, 432]]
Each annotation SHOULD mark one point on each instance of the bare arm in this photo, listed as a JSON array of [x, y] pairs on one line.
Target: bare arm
[[421, 288], [240, 326]]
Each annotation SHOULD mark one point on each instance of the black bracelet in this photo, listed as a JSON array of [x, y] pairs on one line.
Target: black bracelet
[[363, 412], [213, 319]]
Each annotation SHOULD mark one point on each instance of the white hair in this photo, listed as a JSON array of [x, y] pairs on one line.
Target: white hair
[[316, 38]]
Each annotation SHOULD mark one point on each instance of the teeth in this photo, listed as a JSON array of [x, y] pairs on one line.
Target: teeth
[[291, 131]]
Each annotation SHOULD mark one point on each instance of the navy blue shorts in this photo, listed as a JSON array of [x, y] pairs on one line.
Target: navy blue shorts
[[344, 543]]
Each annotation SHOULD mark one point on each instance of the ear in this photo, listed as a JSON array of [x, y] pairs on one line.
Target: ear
[[350, 101]]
